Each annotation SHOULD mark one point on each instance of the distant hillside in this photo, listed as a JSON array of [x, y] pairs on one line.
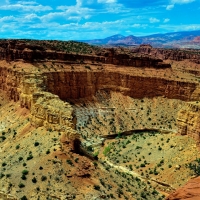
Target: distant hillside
[[186, 39]]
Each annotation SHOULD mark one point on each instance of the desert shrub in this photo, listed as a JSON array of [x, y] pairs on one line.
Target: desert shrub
[[2, 175], [34, 180], [96, 187], [24, 198], [8, 175], [17, 147], [20, 158], [106, 150], [21, 185], [23, 177], [48, 151], [69, 162], [142, 165], [43, 178], [3, 137], [36, 144], [195, 167], [29, 157], [138, 147], [4, 164], [25, 172]]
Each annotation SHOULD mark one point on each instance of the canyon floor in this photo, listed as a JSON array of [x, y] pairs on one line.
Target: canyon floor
[[132, 146]]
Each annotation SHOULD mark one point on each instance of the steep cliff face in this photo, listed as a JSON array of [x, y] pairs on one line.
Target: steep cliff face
[[168, 54], [188, 120], [74, 85], [14, 50], [46, 109], [9, 82]]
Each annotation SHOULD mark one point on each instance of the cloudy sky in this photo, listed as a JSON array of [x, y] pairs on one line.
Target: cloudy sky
[[90, 19]]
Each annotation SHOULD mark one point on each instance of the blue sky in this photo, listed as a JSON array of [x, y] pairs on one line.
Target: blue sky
[[91, 19]]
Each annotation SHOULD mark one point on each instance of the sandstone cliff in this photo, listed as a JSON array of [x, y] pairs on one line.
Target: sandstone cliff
[[191, 191], [19, 50], [188, 121], [74, 85], [169, 54]]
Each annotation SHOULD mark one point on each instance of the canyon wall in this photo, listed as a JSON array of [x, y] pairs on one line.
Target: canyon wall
[[188, 120], [74, 85], [12, 50], [9, 82], [169, 54], [46, 109]]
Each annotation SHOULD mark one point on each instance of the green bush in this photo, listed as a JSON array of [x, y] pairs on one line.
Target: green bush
[[24, 198], [195, 167], [23, 177], [34, 180], [29, 157], [20, 158], [21, 185], [48, 151], [106, 150], [43, 178], [69, 162], [96, 187], [25, 172], [36, 144]]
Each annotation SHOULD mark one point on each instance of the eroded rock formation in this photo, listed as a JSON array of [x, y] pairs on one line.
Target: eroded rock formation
[[191, 191], [76, 85], [188, 120], [168, 54], [14, 50]]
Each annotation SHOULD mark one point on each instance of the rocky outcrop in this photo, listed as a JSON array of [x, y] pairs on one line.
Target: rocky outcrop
[[14, 50], [9, 82], [191, 191], [188, 121], [74, 85], [46, 109], [168, 54], [49, 111]]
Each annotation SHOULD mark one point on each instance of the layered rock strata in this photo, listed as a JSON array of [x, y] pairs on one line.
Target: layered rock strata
[[74, 85], [168, 54], [188, 121], [13, 50], [46, 109]]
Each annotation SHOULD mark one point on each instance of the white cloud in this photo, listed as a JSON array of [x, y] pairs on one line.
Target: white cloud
[[107, 1], [79, 3], [154, 20], [7, 18], [176, 28], [181, 1], [139, 25], [166, 20], [169, 7], [173, 2], [28, 8]]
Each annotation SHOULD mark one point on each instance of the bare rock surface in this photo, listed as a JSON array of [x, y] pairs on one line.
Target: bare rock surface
[[190, 191]]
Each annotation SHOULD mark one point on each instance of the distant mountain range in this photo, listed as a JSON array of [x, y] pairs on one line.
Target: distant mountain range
[[186, 39]]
